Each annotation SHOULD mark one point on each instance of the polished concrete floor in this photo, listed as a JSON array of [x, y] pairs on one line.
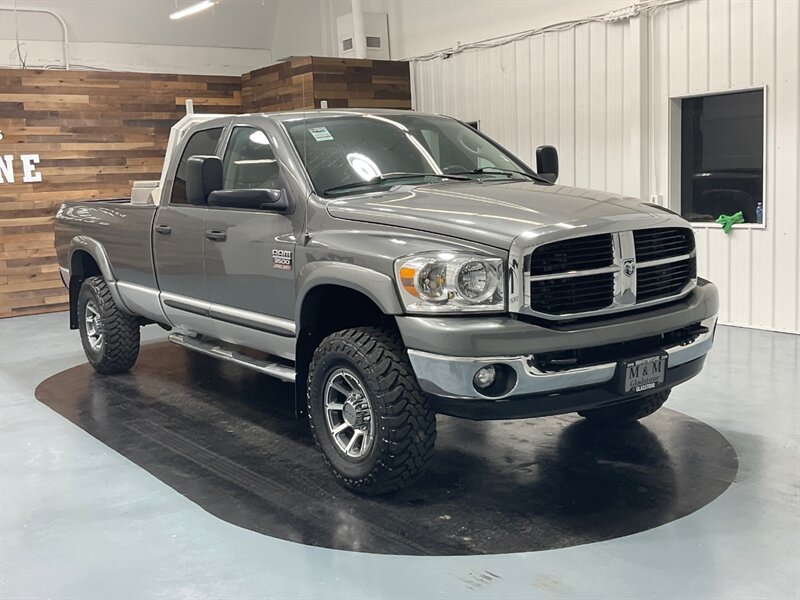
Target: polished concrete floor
[[80, 518], [227, 438]]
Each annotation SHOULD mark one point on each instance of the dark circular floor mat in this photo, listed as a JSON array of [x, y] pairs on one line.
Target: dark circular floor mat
[[227, 439]]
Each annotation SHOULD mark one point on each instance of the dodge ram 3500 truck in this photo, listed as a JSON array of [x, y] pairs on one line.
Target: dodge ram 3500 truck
[[394, 265]]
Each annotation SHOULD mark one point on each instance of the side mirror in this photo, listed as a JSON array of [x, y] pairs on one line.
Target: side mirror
[[547, 162], [203, 176], [255, 199]]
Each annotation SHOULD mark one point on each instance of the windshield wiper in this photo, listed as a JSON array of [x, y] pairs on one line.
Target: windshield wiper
[[508, 172], [390, 177]]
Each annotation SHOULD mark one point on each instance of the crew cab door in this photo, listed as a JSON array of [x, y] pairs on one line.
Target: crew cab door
[[249, 253], [178, 237]]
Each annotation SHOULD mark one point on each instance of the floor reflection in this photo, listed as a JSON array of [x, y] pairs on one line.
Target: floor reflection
[[227, 439]]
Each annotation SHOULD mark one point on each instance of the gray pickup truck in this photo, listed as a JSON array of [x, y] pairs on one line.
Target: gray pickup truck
[[395, 265]]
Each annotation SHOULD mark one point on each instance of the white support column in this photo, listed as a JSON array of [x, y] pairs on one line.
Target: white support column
[[359, 32], [637, 107]]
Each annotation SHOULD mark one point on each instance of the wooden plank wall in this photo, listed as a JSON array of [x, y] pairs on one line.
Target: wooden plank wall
[[285, 86], [304, 82], [97, 132], [354, 83]]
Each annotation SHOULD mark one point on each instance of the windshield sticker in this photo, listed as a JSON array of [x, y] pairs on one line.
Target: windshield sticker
[[321, 134]]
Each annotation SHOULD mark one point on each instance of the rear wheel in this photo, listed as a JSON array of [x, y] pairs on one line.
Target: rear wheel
[[110, 337], [628, 412], [369, 417]]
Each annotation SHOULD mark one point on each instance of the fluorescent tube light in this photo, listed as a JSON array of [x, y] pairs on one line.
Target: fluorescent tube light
[[193, 9]]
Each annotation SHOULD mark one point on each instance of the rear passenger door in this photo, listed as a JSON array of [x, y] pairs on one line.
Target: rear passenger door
[[249, 253], [178, 236]]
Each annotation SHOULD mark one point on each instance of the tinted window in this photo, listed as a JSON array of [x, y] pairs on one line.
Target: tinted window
[[201, 143], [722, 156], [249, 161]]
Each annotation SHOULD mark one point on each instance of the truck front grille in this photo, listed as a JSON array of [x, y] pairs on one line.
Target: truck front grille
[[654, 244], [665, 280], [576, 254], [573, 294], [598, 274]]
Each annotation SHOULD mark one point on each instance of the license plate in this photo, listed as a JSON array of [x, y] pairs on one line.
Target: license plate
[[642, 374]]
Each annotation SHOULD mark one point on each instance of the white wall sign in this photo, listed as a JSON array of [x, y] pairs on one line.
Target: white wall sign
[[28, 164]]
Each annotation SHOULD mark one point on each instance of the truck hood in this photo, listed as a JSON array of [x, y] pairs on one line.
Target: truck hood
[[494, 213]]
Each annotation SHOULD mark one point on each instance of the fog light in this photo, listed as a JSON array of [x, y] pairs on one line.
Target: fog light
[[484, 377]]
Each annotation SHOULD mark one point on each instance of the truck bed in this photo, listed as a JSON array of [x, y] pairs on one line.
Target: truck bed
[[122, 228]]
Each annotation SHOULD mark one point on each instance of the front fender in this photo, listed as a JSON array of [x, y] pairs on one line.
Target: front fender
[[376, 286]]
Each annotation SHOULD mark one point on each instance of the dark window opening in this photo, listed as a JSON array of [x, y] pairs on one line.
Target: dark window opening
[[202, 143], [373, 41], [722, 156], [347, 44]]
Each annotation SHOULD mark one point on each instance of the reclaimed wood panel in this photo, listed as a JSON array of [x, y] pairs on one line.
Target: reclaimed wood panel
[[284, 86], [304, 82], [98, 132], [361, 83], [95, 133]]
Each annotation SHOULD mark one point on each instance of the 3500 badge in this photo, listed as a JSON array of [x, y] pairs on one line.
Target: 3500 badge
[[282, 259]]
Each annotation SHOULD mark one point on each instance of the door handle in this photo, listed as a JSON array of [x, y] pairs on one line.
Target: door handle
[[163, 229], [216, 235]]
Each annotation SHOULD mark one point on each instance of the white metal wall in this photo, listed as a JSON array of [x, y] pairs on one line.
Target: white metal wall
[[706, 46], [562, 88], [601, 93]]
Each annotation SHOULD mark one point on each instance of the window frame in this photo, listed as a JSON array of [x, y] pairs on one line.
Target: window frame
[[222, 151], [674, 157]]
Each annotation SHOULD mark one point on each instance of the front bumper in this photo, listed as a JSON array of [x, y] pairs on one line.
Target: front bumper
[[451, 376], [448, 377], [566, 401]]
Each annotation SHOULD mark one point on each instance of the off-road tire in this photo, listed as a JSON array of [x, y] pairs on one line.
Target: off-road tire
[[628, 412], [120, 331], [405, 426]]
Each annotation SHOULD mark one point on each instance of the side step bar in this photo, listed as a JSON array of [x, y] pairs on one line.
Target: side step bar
[[272, 369]]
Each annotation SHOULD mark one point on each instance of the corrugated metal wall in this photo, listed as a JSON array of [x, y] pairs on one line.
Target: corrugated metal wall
[[602, 92]]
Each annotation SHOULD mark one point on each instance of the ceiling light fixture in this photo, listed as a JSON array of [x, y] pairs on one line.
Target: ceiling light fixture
[[193, 9]]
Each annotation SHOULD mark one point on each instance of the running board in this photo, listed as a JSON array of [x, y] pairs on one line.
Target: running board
[[273, 369]]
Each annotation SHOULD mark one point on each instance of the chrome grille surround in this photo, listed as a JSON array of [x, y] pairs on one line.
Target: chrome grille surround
[[624, 251]]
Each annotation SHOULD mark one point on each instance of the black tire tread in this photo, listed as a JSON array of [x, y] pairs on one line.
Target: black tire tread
[[409, 426], [121, 333], [628, 412]]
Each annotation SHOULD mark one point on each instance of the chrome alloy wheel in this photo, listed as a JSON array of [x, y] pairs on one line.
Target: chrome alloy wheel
[[94, 325], [348, 413]]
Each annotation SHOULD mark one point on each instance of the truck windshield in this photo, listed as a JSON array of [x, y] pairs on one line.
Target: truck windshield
[[347, 154]]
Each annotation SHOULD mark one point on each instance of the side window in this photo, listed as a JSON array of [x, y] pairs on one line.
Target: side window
[[202, 142], [249, 162]]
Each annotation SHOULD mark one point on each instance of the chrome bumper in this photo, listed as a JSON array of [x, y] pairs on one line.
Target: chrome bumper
[[451, 376]]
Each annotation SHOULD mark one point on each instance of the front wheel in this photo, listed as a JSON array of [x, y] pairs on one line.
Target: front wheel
[[110, 337], [628, 412], [369, 417]]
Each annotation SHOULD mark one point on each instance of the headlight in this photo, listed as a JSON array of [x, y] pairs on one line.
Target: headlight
[[450, 282]]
